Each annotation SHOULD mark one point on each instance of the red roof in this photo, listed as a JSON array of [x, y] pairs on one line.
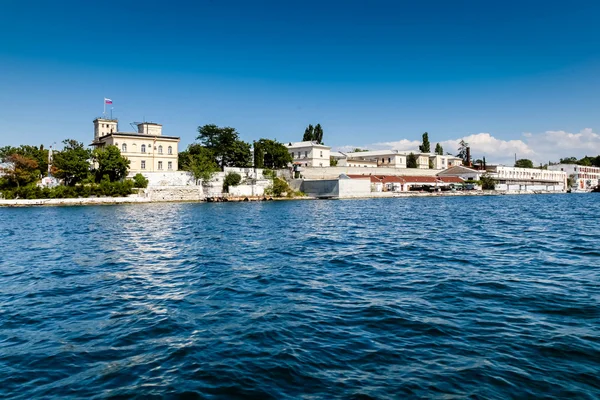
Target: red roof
[[420, 179]]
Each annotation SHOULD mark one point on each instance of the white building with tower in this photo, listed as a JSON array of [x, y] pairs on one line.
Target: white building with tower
[[147, 149]]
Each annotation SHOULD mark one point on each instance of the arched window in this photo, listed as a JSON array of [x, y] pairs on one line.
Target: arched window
[[124, 148], [143, 148], [169, 150], [159, 149]]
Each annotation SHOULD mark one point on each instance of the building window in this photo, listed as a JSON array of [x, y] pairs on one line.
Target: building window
[[143, 148], [389, 160], [143, 164], [169, 150], [159, 149], [321, 154], [306, 154], [170, 165], [160, 165], [124, 148]]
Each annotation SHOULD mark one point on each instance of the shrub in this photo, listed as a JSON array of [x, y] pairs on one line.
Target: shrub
[[140, 181], [269, 173], [231, 179], [278, 187], [106, 188], [487, 182]]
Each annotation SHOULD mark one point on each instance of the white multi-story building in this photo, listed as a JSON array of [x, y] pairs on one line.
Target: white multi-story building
[[397, 159], [527, 179], [583, 178], [147, 149], [310, 154]]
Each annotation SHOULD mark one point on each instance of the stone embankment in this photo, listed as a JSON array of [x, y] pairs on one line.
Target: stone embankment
[[161, 197]]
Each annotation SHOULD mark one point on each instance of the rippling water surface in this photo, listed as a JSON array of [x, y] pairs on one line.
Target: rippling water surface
[[494, 297]]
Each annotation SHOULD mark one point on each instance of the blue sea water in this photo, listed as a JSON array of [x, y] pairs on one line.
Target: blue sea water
[[452, 297]]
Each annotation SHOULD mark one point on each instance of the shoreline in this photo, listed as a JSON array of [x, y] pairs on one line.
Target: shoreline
[[95, 201]]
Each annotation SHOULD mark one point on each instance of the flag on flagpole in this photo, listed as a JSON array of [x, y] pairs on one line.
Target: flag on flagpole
[[107, 101]]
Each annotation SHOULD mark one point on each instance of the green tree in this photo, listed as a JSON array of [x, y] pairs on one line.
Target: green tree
[[109, 162], [309, 134], [313, 134], [231, 179], [487, 182], [200, 161], [39, 154], [7, 151], [569, 160], [462, 150], [333, 162], [140, 181], [425, 147], [318, 134], [271, 154], [20, 171], [72, 163], [524, 163], [357, 150], [411, 161], [439, 149], [586, 161], [225, 145]]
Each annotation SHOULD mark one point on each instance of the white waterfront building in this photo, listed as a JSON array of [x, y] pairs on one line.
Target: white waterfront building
[[583, 178], [309, 154], [527, 179], [397, 159]]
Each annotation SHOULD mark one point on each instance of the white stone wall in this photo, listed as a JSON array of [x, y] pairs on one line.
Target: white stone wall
[[174, 193], [349, 188], [247, 190], [337, 188], [175, 178]]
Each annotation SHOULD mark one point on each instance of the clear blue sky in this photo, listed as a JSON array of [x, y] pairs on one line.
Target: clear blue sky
[[368, 71]]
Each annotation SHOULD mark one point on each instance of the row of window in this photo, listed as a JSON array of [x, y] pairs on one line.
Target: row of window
[[143, 148], [160, 165], [305, 154]]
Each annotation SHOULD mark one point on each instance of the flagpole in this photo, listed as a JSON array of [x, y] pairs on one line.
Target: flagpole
[[104, 113]]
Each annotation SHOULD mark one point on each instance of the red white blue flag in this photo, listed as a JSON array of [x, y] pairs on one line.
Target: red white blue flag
[[107, 101]]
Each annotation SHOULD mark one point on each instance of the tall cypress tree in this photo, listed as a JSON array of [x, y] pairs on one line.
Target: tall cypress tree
[[318, 134], [439, 149], [308, 134], [425, 147]]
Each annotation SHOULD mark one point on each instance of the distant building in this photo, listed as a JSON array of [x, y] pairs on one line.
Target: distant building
[[309, 154], [527, 179], [583, 178], [397, 159], [147, 149]]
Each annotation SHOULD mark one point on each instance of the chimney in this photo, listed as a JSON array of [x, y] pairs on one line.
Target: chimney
[[468, 156]]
